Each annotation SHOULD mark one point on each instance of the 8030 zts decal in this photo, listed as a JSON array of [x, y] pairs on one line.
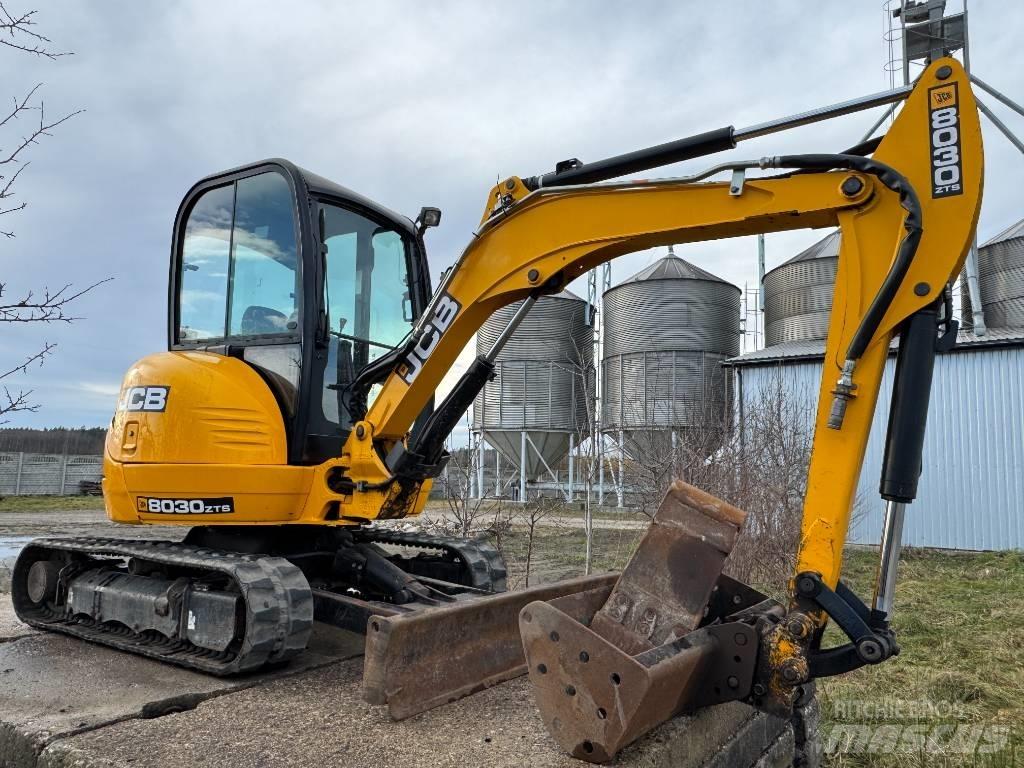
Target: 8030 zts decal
[[944, 127], [217, 506]]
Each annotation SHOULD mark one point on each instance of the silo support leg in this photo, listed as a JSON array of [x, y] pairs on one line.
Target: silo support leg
[[618, 486], [497, 474], [480, 468], [572, 476], [522, 466]]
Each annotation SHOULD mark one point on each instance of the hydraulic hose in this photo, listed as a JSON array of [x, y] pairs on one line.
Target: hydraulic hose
[[907, 249], [913, 223]]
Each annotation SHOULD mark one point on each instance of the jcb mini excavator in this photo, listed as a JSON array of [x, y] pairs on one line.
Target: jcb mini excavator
[[294, 406]]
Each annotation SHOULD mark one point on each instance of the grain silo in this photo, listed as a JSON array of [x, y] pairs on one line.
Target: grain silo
[[798, 294], [536, 408], [666, 330], [1000, 281]]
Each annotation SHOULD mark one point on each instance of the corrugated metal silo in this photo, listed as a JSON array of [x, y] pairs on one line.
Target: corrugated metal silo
[[666, 331], [539, 388], [798, 294], [1000, 280]]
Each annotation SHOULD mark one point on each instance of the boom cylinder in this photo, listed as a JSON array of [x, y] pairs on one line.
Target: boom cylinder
[[908, 413], [904, 445]]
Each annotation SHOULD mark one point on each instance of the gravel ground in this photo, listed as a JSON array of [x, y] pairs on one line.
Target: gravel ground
[[79, 522], [17, 528]]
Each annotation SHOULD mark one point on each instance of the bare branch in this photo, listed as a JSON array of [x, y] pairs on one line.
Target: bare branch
[[38, 356], [13, 402], [43, 129], [11, 157], [15, 33], [49, 308]]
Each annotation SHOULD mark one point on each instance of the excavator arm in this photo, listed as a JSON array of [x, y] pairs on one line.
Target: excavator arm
[[535, 241], [907, 217]]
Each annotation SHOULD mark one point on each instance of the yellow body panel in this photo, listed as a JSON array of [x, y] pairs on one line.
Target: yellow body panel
[[218, 411], [220, 434]]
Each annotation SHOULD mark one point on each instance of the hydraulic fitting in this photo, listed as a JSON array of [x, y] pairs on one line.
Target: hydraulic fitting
[[844, 392]]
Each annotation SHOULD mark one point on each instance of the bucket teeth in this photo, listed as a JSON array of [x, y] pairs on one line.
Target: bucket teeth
[[604, 680]]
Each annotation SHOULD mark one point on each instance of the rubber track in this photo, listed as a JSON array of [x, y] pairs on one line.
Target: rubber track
[[483, 562], [277, 597]]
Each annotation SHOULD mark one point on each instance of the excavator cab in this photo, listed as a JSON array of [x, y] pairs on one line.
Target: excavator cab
[[302, 279]]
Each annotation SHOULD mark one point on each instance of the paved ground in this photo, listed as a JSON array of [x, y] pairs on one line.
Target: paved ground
[[78, 522], [66, 703]]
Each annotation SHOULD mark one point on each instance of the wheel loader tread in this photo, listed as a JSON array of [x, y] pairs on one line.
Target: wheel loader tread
[[277, 598]]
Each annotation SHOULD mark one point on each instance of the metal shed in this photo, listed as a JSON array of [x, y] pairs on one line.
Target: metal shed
[[971, 494]]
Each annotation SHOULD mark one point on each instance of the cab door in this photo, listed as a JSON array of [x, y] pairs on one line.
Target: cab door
[[237, 278]]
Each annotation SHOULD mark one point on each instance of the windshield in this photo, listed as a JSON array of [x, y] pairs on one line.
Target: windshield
[[366, 292]]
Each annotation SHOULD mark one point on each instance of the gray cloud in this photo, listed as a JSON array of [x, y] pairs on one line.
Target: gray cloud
[[412, 104]]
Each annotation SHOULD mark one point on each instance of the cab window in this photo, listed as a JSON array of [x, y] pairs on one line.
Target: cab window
[[366, 293], [203, 276], [239, 272], [263, 258]]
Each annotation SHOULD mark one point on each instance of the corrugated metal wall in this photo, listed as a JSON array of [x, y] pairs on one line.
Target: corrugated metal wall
[[28, 474], [971, 494]]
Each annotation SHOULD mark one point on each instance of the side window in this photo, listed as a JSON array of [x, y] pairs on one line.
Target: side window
[[367, 297], [204, 266], [264, 279], [390, 304], [340, 287]]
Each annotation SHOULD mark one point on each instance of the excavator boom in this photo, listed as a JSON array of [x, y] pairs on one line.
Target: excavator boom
[[906, 216]]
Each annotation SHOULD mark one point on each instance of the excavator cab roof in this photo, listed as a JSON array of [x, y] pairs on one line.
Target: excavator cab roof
[[315, 184]]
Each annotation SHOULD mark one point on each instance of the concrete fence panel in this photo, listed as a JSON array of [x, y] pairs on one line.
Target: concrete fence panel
[[29, 474]]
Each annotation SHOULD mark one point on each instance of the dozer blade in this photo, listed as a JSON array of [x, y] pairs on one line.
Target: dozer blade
[[421, 660], [673, 634]]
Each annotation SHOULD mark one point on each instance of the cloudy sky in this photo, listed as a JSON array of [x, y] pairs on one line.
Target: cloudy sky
[[412, 104]]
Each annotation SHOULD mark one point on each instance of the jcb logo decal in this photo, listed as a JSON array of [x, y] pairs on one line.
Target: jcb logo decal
[[444, 313], [944, 130], [144, 399]]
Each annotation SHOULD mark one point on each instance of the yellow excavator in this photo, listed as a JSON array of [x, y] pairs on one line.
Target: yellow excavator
[[295, 406]]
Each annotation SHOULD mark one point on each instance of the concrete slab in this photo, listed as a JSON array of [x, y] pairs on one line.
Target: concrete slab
[[67, 703], [319, 718], [53, 686]]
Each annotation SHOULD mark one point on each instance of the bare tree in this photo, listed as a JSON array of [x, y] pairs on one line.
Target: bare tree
[[17, 33], [466, 503], [758, 464], [533, 513]]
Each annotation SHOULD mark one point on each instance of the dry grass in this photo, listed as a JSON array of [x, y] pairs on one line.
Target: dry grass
[[960, 622], [49, 503]]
